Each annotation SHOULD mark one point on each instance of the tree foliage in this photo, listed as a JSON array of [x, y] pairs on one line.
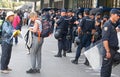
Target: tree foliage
[[9, 4]]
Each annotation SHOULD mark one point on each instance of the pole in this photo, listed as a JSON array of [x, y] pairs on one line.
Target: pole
[[97, 5], [41, 4], [35, 5]]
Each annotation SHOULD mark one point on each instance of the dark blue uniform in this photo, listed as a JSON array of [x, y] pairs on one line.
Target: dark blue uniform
[[98, 33], [74, 33], [109, 33], [71, 21], [87, 25], [63, 26]]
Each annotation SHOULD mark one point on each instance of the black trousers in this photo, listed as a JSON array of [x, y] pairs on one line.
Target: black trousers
[[69, 45], [62, 45], [6, 55], [106, 68]]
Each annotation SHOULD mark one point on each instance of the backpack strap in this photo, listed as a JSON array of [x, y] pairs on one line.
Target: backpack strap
[[39, 33]]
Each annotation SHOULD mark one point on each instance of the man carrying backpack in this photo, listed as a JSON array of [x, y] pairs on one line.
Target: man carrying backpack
[[37, 42]]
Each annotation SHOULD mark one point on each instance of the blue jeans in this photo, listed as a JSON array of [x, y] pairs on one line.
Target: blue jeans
[[6, 55], [16, 40]]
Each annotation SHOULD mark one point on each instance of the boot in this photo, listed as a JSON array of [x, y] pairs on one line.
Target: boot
[[64, 53], [59, 54], [74, 61], [87, 62]]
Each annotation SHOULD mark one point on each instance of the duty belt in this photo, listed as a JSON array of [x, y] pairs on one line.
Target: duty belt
[[86, 32], [114, 48]]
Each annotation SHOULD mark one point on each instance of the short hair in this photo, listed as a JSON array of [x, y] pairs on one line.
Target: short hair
[[32, 14], [86, 11]]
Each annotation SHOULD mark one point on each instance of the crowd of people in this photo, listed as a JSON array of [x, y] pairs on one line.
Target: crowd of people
[[68, 27]]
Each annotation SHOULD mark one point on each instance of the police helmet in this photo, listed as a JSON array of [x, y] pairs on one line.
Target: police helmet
[[77, 40], [57, 34]]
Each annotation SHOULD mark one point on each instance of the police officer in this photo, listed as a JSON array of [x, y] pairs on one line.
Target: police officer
[[110, 43], [52, 21], [62, 25], [84, 31], [71, 21], [97, 35], [74, 33], [105, 18]]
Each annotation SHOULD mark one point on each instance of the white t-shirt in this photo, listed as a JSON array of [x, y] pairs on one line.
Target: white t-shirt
[[25, 15], [39, 23]]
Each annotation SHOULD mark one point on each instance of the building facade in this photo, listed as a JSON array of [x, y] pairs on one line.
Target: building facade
[[82, 3], [110, 3], [77, 3]]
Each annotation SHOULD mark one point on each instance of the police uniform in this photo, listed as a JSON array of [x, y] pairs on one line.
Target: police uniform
[[98, 33], [87, 25], [74, 33], [109, 33], [62, 25], [71, 21]]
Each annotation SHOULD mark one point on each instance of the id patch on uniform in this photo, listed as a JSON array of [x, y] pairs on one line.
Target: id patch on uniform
[[105, 28]]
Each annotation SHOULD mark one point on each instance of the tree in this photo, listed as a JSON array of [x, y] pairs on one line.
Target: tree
[[9, 4]]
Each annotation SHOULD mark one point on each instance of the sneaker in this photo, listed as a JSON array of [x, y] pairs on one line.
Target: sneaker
[[74, 61], [4, 71], [9, 69], [31, 71], [37, 70]]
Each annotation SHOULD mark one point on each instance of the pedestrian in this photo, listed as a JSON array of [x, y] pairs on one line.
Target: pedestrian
[[110, 43], [25, 18], [3, 15], [7, 42], [63, 27], [52, 21], [85, 30], [16, 24], [35, 51]]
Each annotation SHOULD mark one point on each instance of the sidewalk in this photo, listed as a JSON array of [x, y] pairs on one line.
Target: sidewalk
[[51, 66]]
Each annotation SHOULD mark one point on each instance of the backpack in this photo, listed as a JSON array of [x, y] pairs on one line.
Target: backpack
[[1, 23], [46, 28]]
